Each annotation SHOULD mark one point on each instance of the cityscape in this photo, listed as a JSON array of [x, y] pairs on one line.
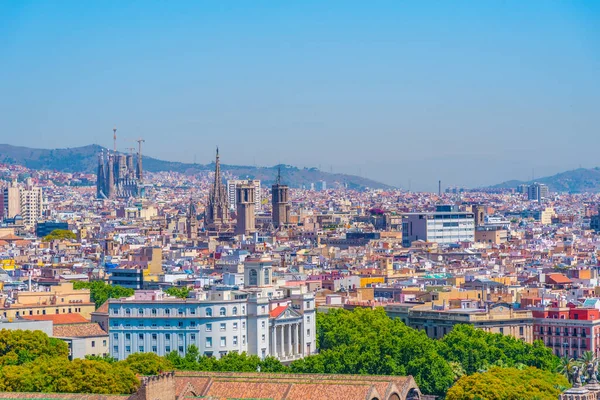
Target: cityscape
[[386, 202]]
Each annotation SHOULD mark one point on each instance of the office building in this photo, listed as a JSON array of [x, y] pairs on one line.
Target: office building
[[444, 226], [537, 192], [12, 200]]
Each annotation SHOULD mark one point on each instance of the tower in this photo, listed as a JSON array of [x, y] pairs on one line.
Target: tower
[[110, 186], [479, 210], [192, 221], [279, 200], [217, 211], [101, 179], [245, 209]]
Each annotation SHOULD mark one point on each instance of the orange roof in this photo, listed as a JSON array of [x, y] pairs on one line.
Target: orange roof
[[90, 329], [59, 319], [277, 311], [3, 243], [10, 237], [559, 278]]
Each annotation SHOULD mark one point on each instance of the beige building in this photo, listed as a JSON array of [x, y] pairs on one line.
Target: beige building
[[62, 299], [245, 209], [87, 339], [491, 236]]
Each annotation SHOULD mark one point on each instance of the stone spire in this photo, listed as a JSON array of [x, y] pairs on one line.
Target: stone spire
[[217, 213]]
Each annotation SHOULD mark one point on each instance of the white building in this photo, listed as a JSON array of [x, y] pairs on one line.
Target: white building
[[445, 226], [25, 201], [261, 320]]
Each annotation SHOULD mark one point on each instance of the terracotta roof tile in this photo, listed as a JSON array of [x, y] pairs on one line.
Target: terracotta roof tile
[[79, 330], [277, 311], [59, 319]]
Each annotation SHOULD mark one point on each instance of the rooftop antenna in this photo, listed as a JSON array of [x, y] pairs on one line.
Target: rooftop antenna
[[440, 188], [115, 139]]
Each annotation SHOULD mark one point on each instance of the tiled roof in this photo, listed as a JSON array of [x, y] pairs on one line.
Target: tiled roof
[[559, 278], [59, 319], [277, 311], [79, 330], [103, 308]]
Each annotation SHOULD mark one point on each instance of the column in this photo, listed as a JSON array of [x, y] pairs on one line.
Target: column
[[288, 341], [294, 339], [300, 340], [279, 340], [274, 341]]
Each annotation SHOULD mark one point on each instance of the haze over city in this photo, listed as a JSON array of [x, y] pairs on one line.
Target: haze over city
[[472, 93]]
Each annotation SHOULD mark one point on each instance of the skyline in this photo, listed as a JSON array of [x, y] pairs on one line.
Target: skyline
[[471, 95]]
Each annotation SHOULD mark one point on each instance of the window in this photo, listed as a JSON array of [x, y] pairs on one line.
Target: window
[[262, 324], [141, 311], [235, 340], [104, 343], [193, 324], [181, 349], [502, 330], [235, 325], [114, 311], [521, 330], [167, 336], [180, 311], [141, 349], [208, 327], [141, 336], [223, 341], [263, 338], [154, 311], [253, 278], [308, 332], [140, 324], [180, 324], [208, 343], [127, 311], [192, 311], [243, 339], [167, 311], [115, 349], [167, 349], [223, 327], [154, 349], [127, 336], [222, 312], [93, 343], [209, 312], [115, 336], [263, 309], [243, 309], [266, 280], [181, 337], [308, 304], [154, 336], [243, 324], [127, 349], [234, 310], [308, 319]]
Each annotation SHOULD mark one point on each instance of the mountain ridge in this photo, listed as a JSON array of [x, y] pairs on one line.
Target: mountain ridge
[[84, 159], [579, 180]]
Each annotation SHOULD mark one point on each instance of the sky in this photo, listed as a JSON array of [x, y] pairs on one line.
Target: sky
[[405, 92]]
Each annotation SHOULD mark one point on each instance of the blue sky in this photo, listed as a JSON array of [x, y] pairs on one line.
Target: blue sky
[[470, 92]]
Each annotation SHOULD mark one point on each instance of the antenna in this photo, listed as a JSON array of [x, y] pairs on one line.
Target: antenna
[[115, 139]]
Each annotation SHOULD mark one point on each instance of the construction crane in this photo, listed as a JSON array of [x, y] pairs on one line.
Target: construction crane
[[115, 139]]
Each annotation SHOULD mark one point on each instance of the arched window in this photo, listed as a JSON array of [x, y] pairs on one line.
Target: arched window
[[253, 278], [234, 310], [267, 281], [141, 311], [154, 311], [128, 311], [222, 312], [209, 312]]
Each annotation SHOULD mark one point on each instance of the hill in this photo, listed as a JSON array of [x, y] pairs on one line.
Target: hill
[[575, 181], [84, 159]]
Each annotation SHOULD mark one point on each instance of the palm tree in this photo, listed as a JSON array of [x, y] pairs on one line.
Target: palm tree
[[587, 357], [565, 366]]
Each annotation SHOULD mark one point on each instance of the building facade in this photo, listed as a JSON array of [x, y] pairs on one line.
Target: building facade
[[245, 209], [445, 226], [280, 203]]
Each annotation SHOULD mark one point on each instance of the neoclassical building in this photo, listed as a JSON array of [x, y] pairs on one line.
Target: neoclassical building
[[260, 319]]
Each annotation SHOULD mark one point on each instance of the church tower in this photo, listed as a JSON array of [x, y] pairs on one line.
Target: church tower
[[280, 202], [245, 209], [192, 221], [217, 211]]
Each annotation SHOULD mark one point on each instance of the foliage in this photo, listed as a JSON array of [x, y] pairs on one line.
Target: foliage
[[147, 363], [59, 234], [18, 347], [509, 384], [105, 358], [231, 362], [182, 292], [100, 291], [367, 341], [477, 350], [57, 374]]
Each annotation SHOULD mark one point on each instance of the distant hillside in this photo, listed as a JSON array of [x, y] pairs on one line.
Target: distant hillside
[[84, 159], [575, 181]]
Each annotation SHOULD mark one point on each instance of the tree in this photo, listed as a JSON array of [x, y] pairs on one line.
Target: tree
[[59, 234], [18, 347], [147, 363], [182, 292], [509, 384], [100, 291]]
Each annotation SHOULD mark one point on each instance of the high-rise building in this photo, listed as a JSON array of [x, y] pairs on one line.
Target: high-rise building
[[25, 201], [537, 192], [231, 192], [245, 209], [192, 221], [280, 203], [217, 210]]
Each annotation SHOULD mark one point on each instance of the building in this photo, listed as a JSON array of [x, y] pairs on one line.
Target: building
[[217, 210], [11, 200], [245, 209], [83, 339], [27, 202], [132, 278], [537, 192], [444, 226], [45, 228], [280, 203], [231, 192], [568, 331], [498, 318], [260, 320], [192, 221], [119, 176], [61, 299], [491, 235]]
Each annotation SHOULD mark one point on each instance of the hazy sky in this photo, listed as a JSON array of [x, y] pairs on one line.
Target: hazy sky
[[470, 92]]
